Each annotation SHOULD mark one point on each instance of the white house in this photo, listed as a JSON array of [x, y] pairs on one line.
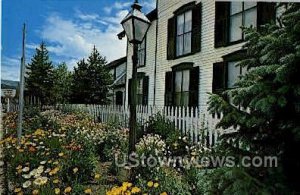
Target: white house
[[117, 69], [191, 50]]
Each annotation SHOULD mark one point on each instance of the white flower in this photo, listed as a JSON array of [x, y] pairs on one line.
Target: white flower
[[43, 162], [26, 176], [47, 170], [33, 172], [25, 169], [26, 184]]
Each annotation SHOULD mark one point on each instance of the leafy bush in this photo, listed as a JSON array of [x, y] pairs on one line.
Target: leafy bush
[[160, 125]]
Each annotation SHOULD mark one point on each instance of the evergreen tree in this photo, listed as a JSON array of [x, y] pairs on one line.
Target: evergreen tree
[[92, 80], [39, 79], [62, 83], [80, 83], [264, 106]]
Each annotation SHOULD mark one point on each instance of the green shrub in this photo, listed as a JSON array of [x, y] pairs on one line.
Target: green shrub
[[160, 125]]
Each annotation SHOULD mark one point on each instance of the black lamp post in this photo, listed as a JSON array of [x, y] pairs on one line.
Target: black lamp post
[[135, 25]]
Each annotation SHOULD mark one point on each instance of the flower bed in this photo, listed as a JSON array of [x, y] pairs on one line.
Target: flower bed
[[59, 157], [63, 153]]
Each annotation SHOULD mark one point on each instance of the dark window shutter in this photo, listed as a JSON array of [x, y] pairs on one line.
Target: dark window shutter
[[145, 90], [129, 92], [169, 87], [196, 33], [221, 23], [218, 77], [194, 87], [266, 12], [171, 39]]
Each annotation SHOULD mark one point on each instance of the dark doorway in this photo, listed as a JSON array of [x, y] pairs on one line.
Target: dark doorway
[[119, 98]]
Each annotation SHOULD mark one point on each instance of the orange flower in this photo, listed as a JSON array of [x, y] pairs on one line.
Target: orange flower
[[32, 149]]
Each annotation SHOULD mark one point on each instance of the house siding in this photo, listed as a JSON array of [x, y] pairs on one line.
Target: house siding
[[204, 59]]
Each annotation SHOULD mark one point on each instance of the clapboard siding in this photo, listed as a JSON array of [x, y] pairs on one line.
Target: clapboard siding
[[204, 59]]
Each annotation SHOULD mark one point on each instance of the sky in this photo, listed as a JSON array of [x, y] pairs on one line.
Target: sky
[[69, 28]]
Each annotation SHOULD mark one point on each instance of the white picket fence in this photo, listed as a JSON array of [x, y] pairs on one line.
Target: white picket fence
[[198, 125]]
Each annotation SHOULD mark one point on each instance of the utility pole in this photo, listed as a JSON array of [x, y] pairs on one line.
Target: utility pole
[[21, 95]]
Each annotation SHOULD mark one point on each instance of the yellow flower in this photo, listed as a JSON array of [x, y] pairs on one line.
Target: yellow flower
[[35, 192], [56, 181], [150, 184], [88, 191], [40, 181], [18, 190], [164, 193], [19, 167], [61, 154], [75, 170], [57, 191], [135, 190], [68, 190], [97, 176], [156, 185]]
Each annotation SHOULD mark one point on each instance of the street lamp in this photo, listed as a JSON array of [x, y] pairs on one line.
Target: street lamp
[[135, 25]]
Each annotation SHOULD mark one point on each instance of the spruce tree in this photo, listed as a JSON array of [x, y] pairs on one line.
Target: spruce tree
[[92, 80], [39, 79], [264, 106], [62, 83]]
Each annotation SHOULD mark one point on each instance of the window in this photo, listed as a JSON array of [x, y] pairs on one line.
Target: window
[[241, 14], [181, 87], [184, 33], [142, 90], [226, 74], [230, 16], [119, 98], [233, 73], [182, 84], [142, 53]]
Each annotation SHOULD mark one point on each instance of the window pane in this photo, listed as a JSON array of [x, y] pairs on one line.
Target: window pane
[[249, 4], [179, 45], [188, 21], [250, 18], [233, 74], [140, 99], [185, 99], [140, 86], [186, 80], [235, 28], [180, 24], [177, 99], [187, 43], [244, 70], [236, 7], [178, 81], [142, 57]]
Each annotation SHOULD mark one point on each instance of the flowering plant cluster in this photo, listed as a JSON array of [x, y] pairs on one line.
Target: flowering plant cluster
[[151, 187], [44, 160], [151, 145]]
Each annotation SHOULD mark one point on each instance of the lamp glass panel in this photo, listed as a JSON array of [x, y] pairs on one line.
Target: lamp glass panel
[[127, 25], [140, 28]]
